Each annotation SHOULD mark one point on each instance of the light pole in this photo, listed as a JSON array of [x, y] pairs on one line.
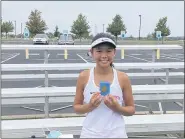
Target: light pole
[[15, 28], [0, 73], [103, 28], [139, 26], [21, 30]]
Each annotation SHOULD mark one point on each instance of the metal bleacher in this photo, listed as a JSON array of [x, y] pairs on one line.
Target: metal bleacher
[[136, 125]]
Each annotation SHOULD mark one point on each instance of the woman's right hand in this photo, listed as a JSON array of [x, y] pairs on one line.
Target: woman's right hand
[[95, 100]]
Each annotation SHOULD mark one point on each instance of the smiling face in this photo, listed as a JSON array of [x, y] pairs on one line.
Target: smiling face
[[103, 55]]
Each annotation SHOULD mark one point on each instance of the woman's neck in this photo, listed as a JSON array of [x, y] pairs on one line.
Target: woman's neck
[[102, 71]]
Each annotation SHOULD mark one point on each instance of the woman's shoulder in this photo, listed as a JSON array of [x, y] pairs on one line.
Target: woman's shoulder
[[122, 76], [84, 75], [123, 79]]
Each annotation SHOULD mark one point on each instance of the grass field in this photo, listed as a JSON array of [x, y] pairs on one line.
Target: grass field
[[88, 41]]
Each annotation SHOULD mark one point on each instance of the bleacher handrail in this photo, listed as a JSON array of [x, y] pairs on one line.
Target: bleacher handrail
[[86, 47]]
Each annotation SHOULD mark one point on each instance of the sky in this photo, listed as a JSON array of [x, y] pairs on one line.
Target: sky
[[63, 13]]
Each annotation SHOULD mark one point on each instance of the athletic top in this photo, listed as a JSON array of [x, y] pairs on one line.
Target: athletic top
[[103, 122]]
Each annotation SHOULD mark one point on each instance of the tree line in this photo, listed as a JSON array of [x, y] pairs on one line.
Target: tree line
[[80, 27]]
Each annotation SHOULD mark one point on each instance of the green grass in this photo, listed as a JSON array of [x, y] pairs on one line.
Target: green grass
[[120, 42]]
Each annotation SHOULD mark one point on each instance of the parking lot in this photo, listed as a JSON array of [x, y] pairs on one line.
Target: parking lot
[[76, 56]]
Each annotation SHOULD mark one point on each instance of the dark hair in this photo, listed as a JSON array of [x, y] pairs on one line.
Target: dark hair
[[104, 35], [112, 65]]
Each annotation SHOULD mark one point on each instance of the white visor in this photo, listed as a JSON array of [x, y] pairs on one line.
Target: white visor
[[102, 40]]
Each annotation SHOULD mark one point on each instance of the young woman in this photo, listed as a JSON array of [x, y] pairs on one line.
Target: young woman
[[104, 117]]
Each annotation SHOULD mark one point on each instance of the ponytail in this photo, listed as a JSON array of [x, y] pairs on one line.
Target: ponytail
[[112, 65]]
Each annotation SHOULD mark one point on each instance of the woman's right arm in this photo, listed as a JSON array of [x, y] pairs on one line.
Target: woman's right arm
[[78, 105]]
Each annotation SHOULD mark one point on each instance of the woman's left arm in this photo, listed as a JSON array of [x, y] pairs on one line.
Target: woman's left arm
[[129, 108]]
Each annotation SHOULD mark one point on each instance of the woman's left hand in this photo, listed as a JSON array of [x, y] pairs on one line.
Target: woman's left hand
[[111, 102]]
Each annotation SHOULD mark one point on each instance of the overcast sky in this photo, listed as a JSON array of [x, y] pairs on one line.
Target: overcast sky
[[63, 13]]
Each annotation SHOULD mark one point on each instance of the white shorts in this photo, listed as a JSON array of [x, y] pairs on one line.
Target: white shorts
[[116, 133]]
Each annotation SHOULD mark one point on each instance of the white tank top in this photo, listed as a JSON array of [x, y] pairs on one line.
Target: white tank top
[[102, 122]]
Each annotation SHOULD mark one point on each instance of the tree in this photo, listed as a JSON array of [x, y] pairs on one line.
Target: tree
[[91, 36], [116, 26], [131, 37], [7, 27], [2, 29], [50, 35], [149, 36], [56, 32], [161, 26], [35, 23], [80, 27]]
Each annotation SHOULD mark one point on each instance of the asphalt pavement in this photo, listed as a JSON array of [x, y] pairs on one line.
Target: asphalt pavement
[[76, 56]]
